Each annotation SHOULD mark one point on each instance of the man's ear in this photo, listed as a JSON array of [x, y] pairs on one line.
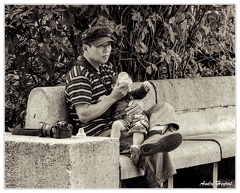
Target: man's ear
[[84, 47]]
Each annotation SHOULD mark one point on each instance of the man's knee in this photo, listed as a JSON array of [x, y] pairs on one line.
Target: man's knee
[[165, 106]]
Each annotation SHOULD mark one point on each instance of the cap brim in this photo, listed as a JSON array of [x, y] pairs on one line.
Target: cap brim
[[102, 40]]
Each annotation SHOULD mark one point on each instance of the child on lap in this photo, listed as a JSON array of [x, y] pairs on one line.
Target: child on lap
[[137, 125]]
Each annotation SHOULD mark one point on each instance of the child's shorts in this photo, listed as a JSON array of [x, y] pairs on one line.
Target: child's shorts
[[136, 124]]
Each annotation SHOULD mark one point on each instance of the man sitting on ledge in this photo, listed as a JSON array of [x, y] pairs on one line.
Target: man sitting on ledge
[[89, 79]]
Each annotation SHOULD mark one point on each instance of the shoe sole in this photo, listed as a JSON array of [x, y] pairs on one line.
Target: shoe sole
[[165, 144]]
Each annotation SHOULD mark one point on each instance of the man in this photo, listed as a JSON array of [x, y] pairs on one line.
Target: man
[[90, 78]]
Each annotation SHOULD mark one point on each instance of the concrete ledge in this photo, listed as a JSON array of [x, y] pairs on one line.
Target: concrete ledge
[[226, 141], [35, 162], [194, 153]]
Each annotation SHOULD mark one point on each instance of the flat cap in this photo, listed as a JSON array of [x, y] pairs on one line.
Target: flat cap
[[97, 35]]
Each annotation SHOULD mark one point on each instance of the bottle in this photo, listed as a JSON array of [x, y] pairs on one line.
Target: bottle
[[81, 133], [123, 78]]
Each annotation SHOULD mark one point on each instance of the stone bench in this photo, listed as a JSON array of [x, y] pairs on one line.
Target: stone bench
[[205, 108]]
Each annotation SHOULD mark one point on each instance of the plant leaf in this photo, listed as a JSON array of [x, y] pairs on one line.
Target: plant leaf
[[149, 69]]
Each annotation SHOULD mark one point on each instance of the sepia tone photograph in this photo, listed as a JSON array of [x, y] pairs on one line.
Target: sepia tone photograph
[[101, 96]]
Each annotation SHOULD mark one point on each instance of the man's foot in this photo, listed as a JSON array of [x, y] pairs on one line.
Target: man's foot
[[156, 142], [135, 153]]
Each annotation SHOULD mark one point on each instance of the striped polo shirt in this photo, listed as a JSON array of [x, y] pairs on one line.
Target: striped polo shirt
[[83, 86]]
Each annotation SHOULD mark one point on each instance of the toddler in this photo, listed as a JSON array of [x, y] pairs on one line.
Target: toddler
[[137, 125]]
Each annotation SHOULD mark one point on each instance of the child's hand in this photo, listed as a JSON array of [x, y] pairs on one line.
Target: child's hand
[[146, 85]]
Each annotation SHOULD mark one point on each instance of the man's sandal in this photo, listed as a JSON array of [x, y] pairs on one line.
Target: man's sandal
[[155, 142]]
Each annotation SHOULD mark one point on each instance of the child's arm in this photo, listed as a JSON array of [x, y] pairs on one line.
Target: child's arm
[[141, 92]]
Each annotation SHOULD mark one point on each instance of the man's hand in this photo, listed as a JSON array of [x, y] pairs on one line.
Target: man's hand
[[134, 107], [118, 92]]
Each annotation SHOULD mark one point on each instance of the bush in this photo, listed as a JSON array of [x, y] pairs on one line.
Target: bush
[[153, 42]]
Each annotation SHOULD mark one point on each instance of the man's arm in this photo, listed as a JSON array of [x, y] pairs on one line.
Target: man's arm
[[88, 112]]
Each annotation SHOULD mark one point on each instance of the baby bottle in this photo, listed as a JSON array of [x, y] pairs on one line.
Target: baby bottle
[[123, 78], [81, 133]]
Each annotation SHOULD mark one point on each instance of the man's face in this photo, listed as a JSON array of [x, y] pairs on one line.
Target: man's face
[[99, 54]]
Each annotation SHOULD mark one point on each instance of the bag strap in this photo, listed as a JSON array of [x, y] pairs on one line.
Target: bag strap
[[29, 132], [155, 91]]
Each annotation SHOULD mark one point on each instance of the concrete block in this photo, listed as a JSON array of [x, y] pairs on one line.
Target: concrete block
[[35, 162], [46, 104], [197, 93], [206, 121]]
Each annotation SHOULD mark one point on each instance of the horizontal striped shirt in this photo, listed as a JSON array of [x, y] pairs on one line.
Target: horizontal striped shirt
[[84, 87]]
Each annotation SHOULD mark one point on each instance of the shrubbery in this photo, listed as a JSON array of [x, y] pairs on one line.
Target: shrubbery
[[42, 42]]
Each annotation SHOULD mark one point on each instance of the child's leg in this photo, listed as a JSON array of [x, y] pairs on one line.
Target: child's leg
[[117, 127], [138, 129], [138, 138]]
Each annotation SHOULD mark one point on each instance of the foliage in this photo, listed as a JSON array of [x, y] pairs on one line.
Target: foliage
[[42, 42], [177, 41]]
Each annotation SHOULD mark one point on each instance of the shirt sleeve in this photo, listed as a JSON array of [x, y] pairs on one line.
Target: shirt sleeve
[[80, 90], [139, 93]]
